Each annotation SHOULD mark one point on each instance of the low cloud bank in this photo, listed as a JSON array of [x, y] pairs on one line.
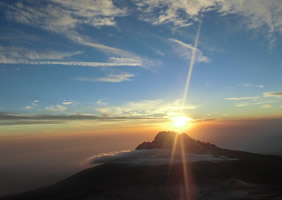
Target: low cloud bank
[[152, 157]]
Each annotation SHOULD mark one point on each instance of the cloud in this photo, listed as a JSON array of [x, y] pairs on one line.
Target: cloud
[[255, 13], [66, 18], [241, 98], [76, 37], [113, 78], [152, 157], [30, 122], [148, 108], [273, 94], [179, 13], [185, 51], [20, 55], [63, 15], [145, 63], [249, 85], [70, 102], [159, 52], [242, 104], [28, 107], [125, 60], [255, 102], [60, 108], [267, 106], [262, 102], [101, 102], [78, 116], [56, 108], [151, 111], [33, 105], [73, 63]]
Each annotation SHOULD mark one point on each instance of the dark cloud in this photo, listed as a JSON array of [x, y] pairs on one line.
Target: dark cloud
[[29, 122], [21, 119], [273, 94]]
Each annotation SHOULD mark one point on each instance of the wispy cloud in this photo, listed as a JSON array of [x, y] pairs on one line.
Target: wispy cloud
[[114, 78], [185, 51], [255, 13], [101, 102], [33, 105], [273, 94], [149, 108], [63, 16], [66, 17], [61, 107], [241, 98], [159, 52], [76, 37], [262, 102], [21, 55], [56, 108], [249, 85], [67, 103], [73, 63], [242, 104]]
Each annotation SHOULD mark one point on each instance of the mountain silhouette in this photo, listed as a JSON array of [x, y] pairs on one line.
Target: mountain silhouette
[[222, 174], [166, 140]]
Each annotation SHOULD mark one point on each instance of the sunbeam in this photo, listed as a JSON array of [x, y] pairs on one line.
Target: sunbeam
[[194, 50], [180, 121]]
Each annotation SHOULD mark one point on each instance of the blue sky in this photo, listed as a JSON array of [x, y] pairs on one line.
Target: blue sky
[[103, 59]]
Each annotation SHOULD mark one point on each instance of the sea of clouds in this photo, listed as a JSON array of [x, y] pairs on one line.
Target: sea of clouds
[[152, 157]]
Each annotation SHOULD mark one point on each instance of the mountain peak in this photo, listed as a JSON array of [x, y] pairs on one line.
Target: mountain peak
[[166, 140]]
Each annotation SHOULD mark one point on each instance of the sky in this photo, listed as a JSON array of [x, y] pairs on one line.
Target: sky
[[65, 61], [85, 77]]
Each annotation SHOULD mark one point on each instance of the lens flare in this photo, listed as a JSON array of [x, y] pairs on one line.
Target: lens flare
[[181, 121]]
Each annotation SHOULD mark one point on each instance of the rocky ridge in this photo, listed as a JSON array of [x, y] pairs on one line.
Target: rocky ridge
[[166, 140]]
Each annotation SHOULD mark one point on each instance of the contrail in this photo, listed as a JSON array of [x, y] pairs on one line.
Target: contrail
[[194, 50]]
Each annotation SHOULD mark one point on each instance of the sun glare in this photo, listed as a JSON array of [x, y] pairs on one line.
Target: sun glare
[[181, 121]]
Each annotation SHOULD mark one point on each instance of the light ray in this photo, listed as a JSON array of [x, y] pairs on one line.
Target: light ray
[[185, 170], [194, 50], [182, 147], [173, 151]]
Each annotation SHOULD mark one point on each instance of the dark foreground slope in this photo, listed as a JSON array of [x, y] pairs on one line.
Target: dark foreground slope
[[245, 176]]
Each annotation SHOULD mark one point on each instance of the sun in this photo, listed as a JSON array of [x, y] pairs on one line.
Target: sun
[[181, 121]]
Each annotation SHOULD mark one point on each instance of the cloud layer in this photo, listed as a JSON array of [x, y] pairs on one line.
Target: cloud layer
[[151, 157]]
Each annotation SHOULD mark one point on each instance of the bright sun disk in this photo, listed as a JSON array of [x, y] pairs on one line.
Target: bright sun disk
[[180, 121]]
